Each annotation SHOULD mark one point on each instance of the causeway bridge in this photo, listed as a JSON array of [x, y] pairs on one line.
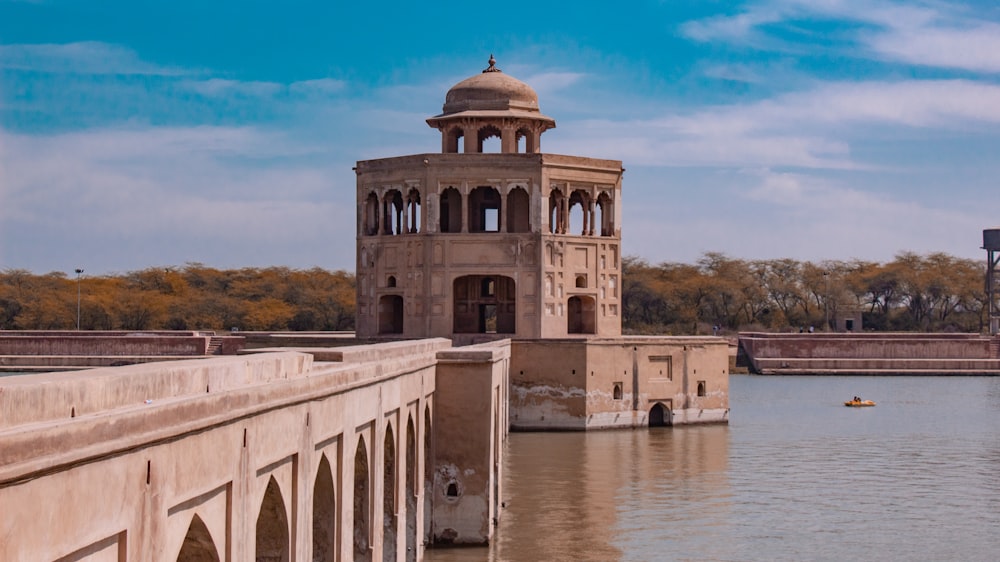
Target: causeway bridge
[[276, 456]]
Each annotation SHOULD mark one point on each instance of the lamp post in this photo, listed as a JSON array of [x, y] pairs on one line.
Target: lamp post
[[78, 272], [826, 301]]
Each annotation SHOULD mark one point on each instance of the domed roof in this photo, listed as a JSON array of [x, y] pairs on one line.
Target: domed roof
[[490, 90]]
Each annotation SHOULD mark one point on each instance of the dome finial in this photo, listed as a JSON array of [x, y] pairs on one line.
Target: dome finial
[[493, 65]]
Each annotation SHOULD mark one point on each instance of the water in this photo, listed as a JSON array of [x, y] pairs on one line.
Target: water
[[795, 476]]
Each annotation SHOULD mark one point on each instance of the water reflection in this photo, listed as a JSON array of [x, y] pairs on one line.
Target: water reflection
[[794, 476]]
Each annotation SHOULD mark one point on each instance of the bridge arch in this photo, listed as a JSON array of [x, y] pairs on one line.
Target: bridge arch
[[389, 496], [324, 524], [410, 491], [272, 525], [362, 504], [198, 545]]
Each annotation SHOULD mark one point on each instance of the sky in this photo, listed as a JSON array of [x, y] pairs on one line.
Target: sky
[[138, 134]]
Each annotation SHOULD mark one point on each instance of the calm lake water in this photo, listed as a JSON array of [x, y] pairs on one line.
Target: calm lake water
[[794, 476]]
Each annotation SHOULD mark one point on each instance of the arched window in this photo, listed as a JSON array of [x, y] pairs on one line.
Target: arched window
[[701, 388], [607, 214], [484, 209], [391, 281], [413, 211], [489, 139], [392, 216], [452, 139], [518, 210], [617, 392], [526, 141], [579, 213], [581, 315], [451, 211], [581, 281], [370, 225], [556, 219]]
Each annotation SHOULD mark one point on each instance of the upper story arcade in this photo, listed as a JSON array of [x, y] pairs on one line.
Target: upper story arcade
[[479, 243]]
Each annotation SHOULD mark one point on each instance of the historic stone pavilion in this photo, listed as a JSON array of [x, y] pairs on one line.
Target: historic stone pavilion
[[473, 244]]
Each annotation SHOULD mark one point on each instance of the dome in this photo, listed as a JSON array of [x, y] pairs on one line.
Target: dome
[[491, 90]]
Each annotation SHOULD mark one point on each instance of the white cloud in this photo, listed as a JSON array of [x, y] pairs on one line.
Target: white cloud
[[318, 87], [813, 128], [210, 194], [220, 88], [927, 34], [88, 57]]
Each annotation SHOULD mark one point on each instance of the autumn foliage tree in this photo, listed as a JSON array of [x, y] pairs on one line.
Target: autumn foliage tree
[[193, 297], [934, 292]]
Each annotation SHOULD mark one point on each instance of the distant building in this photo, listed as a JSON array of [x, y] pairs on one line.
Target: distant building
[[474, 245]]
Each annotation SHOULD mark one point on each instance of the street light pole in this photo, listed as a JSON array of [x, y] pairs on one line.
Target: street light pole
[[78, 272], [826, 301]]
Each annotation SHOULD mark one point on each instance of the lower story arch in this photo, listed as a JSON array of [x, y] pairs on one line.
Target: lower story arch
[[581, 317], [660, 415], [390, 314], [484, 304]]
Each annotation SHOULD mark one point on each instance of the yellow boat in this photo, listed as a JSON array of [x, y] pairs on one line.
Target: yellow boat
[[859, 403]]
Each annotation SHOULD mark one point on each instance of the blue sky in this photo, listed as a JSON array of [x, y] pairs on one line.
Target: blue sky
[[144, 134]]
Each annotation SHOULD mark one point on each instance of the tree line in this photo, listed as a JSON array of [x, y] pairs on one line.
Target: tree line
[[193, 297], [934, 292]]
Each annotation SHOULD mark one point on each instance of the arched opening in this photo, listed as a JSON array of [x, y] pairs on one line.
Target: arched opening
[[659, 416], [389, 497], [581, 315], [617, 392], [198, 545], [484, 209], [452, 137], [484, 304], [324, 524], [579, 213], [272, 526], [607, 214], [556, 219], [489, 139], [426, 476], [413, 211], [390, 314], [518, 211], [581, 281], [362, 504], [701, 388], [411, 492], [392, 215], [451, 211], [526, 141], [370, 227], [390, 281]]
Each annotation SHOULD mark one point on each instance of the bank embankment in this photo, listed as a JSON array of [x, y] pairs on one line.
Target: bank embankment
[[869, 354]]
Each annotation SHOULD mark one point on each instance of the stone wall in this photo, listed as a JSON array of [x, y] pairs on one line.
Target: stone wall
[[266, 456], [598, 383], [872, 353]]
